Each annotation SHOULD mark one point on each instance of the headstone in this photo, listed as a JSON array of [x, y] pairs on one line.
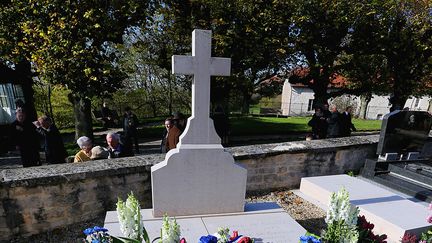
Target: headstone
[[199, 177], [198, 182], [403, 132]]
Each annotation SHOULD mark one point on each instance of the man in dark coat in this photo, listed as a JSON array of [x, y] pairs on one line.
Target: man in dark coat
[[108, 119], [346, 125], [333, 130], [130, 124], [318, 124], [26, 139], [116, 148], [54, 148]]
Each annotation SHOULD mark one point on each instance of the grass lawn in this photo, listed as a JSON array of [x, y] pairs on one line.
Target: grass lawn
[[244, 126]]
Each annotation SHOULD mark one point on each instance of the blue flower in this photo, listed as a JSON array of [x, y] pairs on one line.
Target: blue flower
[[309, 239], [208, 239], [88, 231], [95, 241], [97, 229]]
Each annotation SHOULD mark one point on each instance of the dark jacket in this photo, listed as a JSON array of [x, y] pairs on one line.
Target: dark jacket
[[319, 126], [25, 137], [346, 125], [130, 124], [333, 130], [120, 151], [54, 147]]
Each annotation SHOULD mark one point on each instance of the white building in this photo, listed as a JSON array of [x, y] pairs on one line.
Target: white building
[[297, 100]]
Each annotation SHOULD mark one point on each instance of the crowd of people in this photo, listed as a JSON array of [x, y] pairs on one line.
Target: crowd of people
[[325, 123], [330, 123], [27, 135]]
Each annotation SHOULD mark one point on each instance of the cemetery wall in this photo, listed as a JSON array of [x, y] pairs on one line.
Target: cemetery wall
[[39, 199]]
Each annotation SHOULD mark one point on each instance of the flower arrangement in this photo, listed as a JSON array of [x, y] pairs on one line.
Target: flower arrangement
[[97, 235], [341, 219], [427, 236], [129, 214], [365, 232], [409, 238], [170, 231], [309, 238], [222, 236]]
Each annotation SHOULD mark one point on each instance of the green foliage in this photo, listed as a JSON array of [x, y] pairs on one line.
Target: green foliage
[[427, 236], [274, 125], [253, 34], [61, 108], [70, 43], [389, 49], [319, 32], [71, 148]]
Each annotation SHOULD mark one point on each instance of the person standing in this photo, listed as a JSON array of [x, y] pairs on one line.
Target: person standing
[[173, 135], [55, 151], [107, 116], [130, 124], [26, 139], [346, 125], [333, 130], [318, 124]]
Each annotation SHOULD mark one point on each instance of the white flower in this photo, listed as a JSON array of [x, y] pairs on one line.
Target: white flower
[[130, 218], [342, 213], [170, 232]]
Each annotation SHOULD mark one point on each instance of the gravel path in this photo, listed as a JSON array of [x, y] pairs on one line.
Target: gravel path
[[305, 213]]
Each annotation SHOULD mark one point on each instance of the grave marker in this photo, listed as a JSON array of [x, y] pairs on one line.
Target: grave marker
[[199, 177]]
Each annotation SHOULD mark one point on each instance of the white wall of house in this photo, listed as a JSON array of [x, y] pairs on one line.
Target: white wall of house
[[8, 94], [297, 100]]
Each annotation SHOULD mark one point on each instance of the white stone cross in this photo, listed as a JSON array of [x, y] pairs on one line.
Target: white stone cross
[[201, 65]]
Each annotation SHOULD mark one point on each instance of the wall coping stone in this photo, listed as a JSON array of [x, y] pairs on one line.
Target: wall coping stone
[[264, 150], [54, 174]]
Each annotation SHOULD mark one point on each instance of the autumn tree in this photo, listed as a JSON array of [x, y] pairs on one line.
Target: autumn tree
[[393, 41], [319, 32], [253, 34], [70, 43]]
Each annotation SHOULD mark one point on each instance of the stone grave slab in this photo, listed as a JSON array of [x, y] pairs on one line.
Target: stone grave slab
[[264, 222], [196, 175], [392, 214]]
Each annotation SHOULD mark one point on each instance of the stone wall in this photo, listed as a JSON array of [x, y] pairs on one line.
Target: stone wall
[[38, 199]]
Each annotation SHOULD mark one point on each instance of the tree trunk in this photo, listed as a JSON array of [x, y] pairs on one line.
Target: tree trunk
[[397, 102], [320, 95], [50, 107], [364, 102], [246, 103], [430, 105], [83, 119]]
